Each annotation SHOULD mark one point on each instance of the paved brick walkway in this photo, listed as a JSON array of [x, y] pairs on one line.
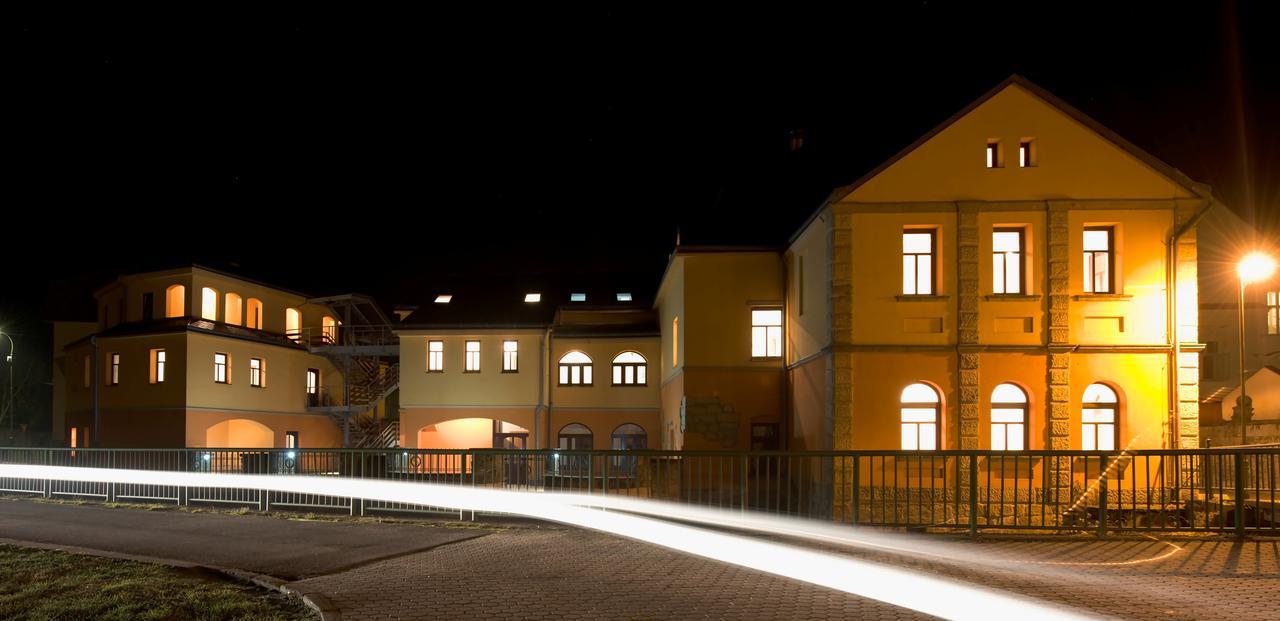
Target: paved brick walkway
[[554, 573]]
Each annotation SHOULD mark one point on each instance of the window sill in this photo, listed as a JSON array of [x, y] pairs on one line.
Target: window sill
[[1088, 297], [1011, 297], [765, 358], [510, 371], [922, 298]]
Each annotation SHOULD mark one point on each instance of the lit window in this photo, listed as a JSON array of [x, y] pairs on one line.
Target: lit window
[[329, 329], [234, 311], [113, 375], [471, 364], [1026, 154], [435, 356], [253, 314], [624, 297], [313, 384], [630, 369], [1008, 418], [1273, 312], [993, 154], [209, 304], [175, 301], [291, 439], [919, 403], [575, 369], [1098, 259], [1006, 261], [766, 333], [577, 297], [256, 372], [293, 324], [675, 341], [1099, 431], [157, 366], [532, 297], [220, 368], [510, 356], [444, 298], [917, 262]]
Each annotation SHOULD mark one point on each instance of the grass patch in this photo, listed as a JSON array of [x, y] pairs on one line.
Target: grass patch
[[48, 584]]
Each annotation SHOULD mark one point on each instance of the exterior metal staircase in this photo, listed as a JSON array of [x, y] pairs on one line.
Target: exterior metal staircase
[[365, 349]]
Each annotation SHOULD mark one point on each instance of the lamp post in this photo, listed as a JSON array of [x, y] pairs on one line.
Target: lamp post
[[1252, 268], [9, 359]]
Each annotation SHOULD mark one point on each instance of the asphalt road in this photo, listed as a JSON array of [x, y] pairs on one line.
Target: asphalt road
[[285, 548]]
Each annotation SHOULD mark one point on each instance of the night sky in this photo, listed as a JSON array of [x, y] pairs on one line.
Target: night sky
[[385, 153]]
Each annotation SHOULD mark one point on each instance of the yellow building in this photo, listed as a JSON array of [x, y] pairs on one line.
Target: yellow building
[[1018, 278], [201, 358], [535, 368]]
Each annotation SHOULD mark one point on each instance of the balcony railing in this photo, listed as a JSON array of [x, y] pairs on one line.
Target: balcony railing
[[1204, 490]]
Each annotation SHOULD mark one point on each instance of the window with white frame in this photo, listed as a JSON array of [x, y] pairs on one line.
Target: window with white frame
[[917, 261], [1100, 429], [471, 361], [919, 417], [257, 372], [157, 366], [1273, 312], [220, 368], [435, 356], [113, 376], [630, 369], [1006, 261], [510, 356], [766, 333], [1099, 259], [1008, 418], [575, 369]]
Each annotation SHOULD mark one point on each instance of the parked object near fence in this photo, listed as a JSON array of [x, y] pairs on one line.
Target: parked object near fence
[[1206, 490]]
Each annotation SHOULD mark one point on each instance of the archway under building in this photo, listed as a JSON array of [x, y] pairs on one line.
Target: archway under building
[[473, 433], [239, 433]]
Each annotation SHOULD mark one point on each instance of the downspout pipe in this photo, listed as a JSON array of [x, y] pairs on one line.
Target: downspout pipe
[[1171, 317]]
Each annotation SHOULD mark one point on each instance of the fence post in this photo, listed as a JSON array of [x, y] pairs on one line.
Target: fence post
[[48, 483], [856, 491], [742, 482], [1239, 495], [973, 495], [1102, 496]]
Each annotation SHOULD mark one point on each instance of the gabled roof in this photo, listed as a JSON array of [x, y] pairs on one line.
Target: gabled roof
[[1173, 174]]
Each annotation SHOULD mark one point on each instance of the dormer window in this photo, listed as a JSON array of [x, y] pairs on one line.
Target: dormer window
[[624, 297], [444, 298], [577, 297], [533, 298]]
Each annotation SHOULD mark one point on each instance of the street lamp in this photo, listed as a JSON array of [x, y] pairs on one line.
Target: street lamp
[[9, 359], [1254, 267]]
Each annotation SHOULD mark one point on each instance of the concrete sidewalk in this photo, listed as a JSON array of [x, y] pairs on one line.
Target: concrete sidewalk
[[289, 549]]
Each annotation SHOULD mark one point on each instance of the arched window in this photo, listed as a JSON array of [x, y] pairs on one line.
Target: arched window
[[330, 329], [234, 312], [253, 314], [919, 417], [293, 324], [575, 369], [628, 437], [209, 304], [575, 437], [630, 369], [1008, 418], [1100, 428], [175, 301]]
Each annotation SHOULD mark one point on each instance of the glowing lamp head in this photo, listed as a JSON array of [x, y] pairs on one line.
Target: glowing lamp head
[[1255, 267]]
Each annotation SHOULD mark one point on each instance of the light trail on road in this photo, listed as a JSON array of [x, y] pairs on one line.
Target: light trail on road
[[900, 587]]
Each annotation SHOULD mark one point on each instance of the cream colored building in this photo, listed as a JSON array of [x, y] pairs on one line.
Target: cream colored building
[[536, 368], [200, 358]]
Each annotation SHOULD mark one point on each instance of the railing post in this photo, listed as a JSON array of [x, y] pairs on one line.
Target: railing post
[[1239, 495], [973, 495], [1102, 496], [48, 483], [856, 491], [742, 482]]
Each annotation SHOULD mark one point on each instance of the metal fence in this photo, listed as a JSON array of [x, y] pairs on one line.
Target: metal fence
[[1206, 490]]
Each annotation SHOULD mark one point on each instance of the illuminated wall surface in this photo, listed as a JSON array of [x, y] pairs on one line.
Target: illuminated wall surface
[[1081, 297]]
